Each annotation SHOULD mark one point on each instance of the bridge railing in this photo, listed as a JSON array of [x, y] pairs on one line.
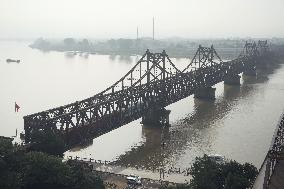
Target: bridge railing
[[274, 153]]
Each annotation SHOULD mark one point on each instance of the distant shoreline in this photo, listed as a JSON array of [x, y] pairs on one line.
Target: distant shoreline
[[132, 47]]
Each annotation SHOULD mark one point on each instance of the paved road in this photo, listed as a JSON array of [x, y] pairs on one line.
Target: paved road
[[171, 177]]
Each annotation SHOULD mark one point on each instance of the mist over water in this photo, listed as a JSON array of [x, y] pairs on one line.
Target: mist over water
[[238, 124]]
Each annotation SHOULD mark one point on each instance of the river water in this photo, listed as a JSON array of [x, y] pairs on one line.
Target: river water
[[239, 124]]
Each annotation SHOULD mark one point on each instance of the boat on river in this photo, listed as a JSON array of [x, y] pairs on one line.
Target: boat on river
[[12, 60]]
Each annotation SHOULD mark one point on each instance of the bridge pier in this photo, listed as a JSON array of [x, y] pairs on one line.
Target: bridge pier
[[156, 117], [207, 93], [232, 80]]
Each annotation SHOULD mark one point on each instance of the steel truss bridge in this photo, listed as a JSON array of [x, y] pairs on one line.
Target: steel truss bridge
[[152, 84]]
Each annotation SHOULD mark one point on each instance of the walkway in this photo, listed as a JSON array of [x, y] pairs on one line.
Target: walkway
[[173, 176]]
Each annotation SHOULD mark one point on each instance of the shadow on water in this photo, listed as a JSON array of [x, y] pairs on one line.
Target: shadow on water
[[193, 132]]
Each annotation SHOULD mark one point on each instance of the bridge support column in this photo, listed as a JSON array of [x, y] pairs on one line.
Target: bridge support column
[[205, 93], [156, 117], [232, 80]]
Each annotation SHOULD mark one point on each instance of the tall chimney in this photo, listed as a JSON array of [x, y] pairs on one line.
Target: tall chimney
[[153, 29], [137, 34]]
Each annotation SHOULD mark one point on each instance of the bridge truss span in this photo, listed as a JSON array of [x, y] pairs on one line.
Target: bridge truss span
[[154, 82]]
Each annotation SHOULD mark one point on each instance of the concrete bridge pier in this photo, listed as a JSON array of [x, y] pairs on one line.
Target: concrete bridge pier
[[207, 93], [232, 80], [156, 117]]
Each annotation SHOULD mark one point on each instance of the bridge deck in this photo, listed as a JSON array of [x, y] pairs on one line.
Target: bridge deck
[[277, 178]]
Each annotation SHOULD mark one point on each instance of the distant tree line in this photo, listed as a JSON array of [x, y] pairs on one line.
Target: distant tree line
[[68, 44], [175, 47]]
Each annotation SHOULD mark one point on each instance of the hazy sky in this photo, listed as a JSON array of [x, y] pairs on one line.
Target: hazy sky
[[119, 18]]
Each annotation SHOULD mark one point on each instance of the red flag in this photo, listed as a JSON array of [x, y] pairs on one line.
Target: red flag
[[17, 107]]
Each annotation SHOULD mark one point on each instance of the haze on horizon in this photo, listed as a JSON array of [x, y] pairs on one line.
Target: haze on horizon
[[120, 18]]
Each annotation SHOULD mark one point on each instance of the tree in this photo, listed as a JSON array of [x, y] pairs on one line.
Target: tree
[[45, 171], [206, 174], [70, 44], [238, 175], [209, 174], [125, 44], [9, 176], [48, 141], [41, 44], [20, 169], [83, 178]]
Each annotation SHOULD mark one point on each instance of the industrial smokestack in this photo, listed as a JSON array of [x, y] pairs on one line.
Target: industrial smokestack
[[153, 29], [137, 36]]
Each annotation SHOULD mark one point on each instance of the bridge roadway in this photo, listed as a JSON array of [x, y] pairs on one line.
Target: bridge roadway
[[271, 173], [152, 84], [174, 175]]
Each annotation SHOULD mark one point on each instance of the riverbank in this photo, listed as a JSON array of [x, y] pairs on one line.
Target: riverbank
[[177, 48]]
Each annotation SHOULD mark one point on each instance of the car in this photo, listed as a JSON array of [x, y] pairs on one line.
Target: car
[[217, 158], [133, 179]]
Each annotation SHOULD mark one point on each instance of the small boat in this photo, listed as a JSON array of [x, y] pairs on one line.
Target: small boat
[[11, 60]]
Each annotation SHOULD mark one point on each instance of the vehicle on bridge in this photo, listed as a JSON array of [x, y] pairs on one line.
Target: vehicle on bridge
[[133, 180], [217, 158]]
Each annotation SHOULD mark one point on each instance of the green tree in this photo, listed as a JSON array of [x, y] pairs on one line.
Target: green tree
[[48, 141], [83, 177], [6, 146], [20, 169], [209, 174], [45, 171], [10, 177], [206, 174], [70, 44]]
